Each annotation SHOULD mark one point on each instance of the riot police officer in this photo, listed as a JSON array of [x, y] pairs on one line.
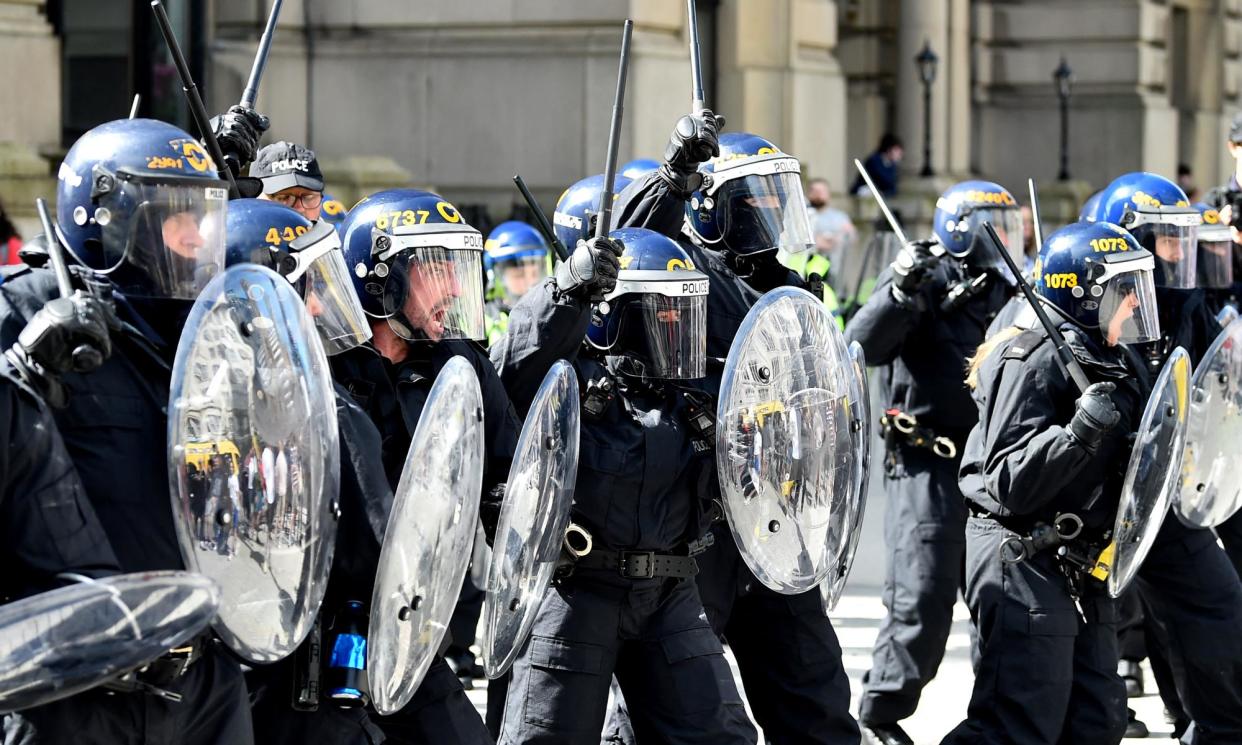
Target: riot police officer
[[133, 199], [734, 203], [627, 606], [929, 311], [1189, 586], [516, 258], [417, 268], [1041, 453], [286, 706]]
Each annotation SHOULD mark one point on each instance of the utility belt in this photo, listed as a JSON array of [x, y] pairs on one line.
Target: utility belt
[[1080, 557], [579, 552], [898, 426], [155, 677]]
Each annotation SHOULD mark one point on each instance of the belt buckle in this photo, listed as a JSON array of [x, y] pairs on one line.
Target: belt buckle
[[627, 569], [183, 656]]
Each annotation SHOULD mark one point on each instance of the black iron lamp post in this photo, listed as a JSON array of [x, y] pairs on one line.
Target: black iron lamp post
[[1063, 76], [927, 61]]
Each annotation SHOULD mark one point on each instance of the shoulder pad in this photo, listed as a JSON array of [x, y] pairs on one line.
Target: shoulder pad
[[12, 271], [1023, 344]]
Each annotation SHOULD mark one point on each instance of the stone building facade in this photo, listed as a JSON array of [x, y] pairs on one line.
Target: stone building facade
[[462, 94]]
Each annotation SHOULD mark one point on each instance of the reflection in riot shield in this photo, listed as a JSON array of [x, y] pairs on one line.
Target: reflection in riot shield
[[65, 641], [860, 460], [785, 450], [253, 458], [533, 518], [1154, 472], [1211, 488], [427, 542]]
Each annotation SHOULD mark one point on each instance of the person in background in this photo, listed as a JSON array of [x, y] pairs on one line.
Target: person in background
[[835, 235], [1029, 248], [1186, 180], [10, 239], [291, 176], [882, 166]]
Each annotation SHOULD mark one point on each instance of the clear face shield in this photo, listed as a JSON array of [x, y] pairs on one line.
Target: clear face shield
[[169, 234], [328, 290], [514, 277], [434, 286], [1171, 234], [1007, 221], [762, 208], [1128, 313], [665, 327], [1215, 261]]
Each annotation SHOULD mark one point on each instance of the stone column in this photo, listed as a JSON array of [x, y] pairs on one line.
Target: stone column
[[957, 122], [922, 21], [30, 116]]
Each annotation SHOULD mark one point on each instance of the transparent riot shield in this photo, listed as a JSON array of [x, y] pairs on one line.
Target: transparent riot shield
[[428, 539], [253, 459], [67, 640], [1153, 475], [858, 271], [785, 451], [1211, 488], [533, 519], [851, 524]]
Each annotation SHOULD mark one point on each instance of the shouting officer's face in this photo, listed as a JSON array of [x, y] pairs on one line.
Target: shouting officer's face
[[432, 290]]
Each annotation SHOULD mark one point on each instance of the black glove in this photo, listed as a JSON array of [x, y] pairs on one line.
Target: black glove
[[591, 270], [238, 131], [913, 265], [1094, 416], [695, 139], [66, 335]]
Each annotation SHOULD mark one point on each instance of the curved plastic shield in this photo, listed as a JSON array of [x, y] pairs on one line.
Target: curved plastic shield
[[253, 459], [427, 543], [851, 526], [1153, 476], [785, 452], [1227, 315], [1211, 488], [533, 518], [62, 642], [859, 270]]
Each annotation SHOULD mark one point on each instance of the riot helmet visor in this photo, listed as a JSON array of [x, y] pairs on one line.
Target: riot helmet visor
[[1128, 302], [434, 285], [764, 212]]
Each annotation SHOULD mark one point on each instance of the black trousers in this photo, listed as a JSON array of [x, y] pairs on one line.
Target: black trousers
[[214, 710], [1046, 674], [1191, 590], [654, 636], [786, 649], [924, 532]]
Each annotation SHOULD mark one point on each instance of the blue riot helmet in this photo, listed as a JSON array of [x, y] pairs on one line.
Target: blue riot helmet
[[657, 315], [1215, 261], [309, 255], [416, 264], [135, 199], [516, 258], [958, 223], [1087, 214], [751, 200], [1160, 217], [332, 211], [1100, 278], [578, 207], [639, 167]]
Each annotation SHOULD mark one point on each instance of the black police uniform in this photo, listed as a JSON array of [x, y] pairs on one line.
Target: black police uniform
[[922, 348], [1189, 586], [47, 525], [787, 651], [393, 397], [365, 501], [115, 430], [1047, 671], [642, 482]]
